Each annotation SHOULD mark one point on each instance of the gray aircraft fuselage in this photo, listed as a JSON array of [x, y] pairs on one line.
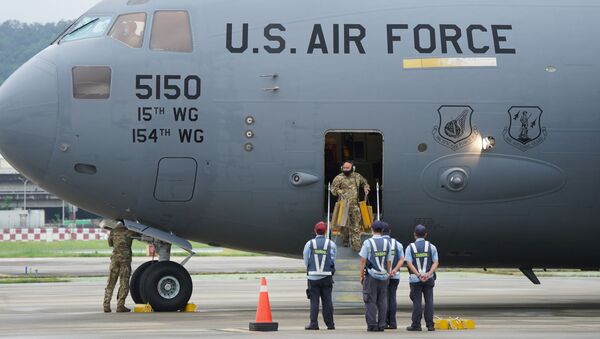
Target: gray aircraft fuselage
[[427, 74]]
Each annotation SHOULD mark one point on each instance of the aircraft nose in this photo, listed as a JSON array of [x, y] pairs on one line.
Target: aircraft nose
[[28, 117]]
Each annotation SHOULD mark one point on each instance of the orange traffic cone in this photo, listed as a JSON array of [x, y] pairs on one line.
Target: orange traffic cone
[[264, 320]]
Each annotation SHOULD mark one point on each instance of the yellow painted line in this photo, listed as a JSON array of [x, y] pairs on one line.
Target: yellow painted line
[[449, 63]]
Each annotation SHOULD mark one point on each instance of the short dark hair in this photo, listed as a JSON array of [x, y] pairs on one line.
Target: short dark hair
[[387, 230], [378, 226], [420, 231]]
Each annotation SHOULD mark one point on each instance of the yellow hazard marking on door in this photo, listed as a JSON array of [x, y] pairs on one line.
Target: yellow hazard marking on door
[[449, 63]]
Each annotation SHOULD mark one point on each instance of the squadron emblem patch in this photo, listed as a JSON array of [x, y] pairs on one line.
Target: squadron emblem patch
[[525, 129], [455, 129]]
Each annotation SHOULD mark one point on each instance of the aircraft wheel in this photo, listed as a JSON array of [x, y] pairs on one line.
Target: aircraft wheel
[[166, 286], [135, 284]]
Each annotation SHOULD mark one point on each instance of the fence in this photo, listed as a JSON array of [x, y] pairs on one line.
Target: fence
[[52, 234]]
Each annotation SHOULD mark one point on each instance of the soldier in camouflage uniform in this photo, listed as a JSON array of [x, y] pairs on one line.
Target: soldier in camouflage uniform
[[346, 186], [120, 240]]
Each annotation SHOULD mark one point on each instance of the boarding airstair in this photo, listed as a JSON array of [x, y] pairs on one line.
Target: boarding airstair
[[347, 290]]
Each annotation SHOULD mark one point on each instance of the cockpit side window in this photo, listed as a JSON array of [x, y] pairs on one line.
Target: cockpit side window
[[129, 29], [171, 31], [87, 27], [91, 82]]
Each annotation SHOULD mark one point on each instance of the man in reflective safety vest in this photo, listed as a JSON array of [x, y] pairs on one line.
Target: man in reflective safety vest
[[422, 261], [375, 268], [319, 259], [397, 262]]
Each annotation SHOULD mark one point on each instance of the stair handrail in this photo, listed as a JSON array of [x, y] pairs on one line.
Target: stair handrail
[[378, 210], [328, 209]]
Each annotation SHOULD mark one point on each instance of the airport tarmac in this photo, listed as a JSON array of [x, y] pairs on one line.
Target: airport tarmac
[[502, 306], [98, 266]]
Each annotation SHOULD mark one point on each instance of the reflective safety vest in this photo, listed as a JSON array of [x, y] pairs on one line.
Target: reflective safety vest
[[320, 262], [395, 252], [421, 256], [379, 252]]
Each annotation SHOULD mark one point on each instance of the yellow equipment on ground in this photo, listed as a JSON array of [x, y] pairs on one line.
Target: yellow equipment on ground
[[454, 324], [146, 308], [142, 308], [190, 308]]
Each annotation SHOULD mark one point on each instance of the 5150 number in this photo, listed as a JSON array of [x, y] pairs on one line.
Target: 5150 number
[[170, 87]]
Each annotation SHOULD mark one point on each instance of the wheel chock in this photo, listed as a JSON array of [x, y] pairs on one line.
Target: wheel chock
[[146, 308], [454, 324], [441, 324], [468, 324], [142, 308], [190, 308]]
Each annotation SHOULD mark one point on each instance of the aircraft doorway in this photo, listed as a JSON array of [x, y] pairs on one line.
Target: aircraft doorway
[[364, 149]]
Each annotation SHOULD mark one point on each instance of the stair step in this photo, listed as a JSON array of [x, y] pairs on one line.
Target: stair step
[[347, 290]]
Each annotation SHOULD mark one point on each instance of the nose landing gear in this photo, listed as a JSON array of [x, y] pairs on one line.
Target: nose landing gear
[[164, 284], [135, 282]]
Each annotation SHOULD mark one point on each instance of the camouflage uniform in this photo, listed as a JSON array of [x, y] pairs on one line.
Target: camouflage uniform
[[347, 187], [120, 240]]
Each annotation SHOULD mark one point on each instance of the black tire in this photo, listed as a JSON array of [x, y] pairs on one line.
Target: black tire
[[166, 286], [135, 285]]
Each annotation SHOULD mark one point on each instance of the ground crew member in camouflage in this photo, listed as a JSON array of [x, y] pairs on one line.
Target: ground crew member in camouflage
[[120, 240], [346, 186]]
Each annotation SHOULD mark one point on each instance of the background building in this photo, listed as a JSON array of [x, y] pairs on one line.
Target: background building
[[24, 204]]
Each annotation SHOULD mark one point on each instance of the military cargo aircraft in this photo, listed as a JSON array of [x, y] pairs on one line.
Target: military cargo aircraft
[[223, 122]]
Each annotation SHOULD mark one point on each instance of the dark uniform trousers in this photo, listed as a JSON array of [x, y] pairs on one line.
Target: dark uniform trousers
[[376, 303], [320, 290], [392, 306], [418, 291]]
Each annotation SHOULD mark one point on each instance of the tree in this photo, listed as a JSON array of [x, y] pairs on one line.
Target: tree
[[20, 41]]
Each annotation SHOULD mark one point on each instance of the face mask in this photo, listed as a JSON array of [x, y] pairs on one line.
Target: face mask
[[347, 173]]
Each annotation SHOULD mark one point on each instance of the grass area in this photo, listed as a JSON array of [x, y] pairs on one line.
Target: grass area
[[31, 280], [547, 273], [516, 272], [95, 248], [225, 253]]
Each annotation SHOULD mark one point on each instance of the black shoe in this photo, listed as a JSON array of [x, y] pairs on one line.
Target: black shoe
[[390, 327], [331, 328], [413, 329], [381, 329], [431, 329], [311, 328], [372, 329]]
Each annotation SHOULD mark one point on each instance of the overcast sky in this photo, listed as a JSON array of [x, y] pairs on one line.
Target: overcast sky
[[43, 10]]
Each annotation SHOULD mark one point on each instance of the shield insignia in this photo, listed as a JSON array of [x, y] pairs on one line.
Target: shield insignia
[[455, 129], [525, 129]]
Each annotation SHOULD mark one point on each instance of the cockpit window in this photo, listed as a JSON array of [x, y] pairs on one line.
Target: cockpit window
[[129, 29], [87, 27], [91, 82], [171, 31]]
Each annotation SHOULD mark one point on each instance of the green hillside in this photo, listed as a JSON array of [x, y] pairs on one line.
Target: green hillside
[[20, 41]]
